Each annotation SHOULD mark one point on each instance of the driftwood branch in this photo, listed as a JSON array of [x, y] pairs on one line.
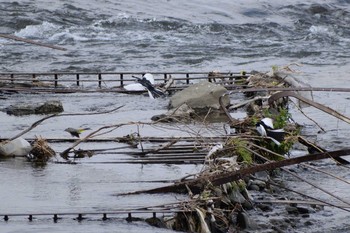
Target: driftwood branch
[[35, 124], [12, 37], [328, 110], [197, 185]]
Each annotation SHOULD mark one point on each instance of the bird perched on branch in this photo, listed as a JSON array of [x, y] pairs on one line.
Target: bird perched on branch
[[76, 132], [147, 81], [265, 128]]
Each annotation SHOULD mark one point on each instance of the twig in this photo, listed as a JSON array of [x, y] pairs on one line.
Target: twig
[[327, 173], [319, 106], [35, 124], [244, 103], [305, 195], [302, 112], [301, 178]]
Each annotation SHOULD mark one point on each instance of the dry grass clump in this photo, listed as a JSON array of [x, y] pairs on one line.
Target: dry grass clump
[[41, 151]]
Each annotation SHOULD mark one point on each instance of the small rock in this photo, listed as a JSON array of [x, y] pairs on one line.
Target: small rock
[[304, 210], [263, 175], [264, 207], [259, 183], [48, 107], [182, 113], [245, 222], [277, 229], [292, 210], [156, 222], [253, 187], [308, 223], [53, 106], [237, 197], [20, 110], [247, 205]]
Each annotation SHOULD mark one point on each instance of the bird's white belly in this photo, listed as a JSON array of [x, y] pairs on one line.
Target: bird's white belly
[[134, 87]]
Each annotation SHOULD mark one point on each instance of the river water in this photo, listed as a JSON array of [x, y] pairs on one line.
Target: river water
[[146, 36]]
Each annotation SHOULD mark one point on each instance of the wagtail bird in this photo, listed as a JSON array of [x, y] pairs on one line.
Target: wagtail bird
[[266, 129], [76, 132]]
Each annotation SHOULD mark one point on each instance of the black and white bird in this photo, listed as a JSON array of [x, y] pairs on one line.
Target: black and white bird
[[145, 83], [266, 129]]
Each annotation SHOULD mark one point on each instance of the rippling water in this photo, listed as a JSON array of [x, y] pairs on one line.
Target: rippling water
[[165, 35], [174, 35]]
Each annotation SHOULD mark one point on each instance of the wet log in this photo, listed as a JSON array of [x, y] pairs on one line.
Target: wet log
[[197, 185]]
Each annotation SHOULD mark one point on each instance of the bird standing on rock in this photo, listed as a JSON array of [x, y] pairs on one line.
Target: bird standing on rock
[[76, 132], [266, 129]]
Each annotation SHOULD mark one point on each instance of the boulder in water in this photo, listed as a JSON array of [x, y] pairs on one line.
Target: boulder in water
[[201, 96], [49, 107]]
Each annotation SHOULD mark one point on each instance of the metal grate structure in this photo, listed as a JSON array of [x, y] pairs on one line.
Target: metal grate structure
[[106, 81]]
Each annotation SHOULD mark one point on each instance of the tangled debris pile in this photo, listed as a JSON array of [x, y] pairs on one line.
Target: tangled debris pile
[[41, 151], [219, 196]]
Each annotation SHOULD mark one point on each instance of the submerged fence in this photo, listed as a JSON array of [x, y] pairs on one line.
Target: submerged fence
[[107, 79]]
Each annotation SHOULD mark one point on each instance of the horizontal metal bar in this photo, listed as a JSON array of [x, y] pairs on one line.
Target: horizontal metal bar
[[118, 73], [145, 161], [116, 212], [195, 140]]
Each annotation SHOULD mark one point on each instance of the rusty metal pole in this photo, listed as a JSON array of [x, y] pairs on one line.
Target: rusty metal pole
[[99, 80], [78, 80], [33, 78], [121, 80], [56, 80]]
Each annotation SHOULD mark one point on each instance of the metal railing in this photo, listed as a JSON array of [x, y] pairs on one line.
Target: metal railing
[[119, 79]]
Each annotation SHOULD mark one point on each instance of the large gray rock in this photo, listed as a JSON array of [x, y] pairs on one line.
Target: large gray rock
[[52, 106], [203, 95], [49, 107]]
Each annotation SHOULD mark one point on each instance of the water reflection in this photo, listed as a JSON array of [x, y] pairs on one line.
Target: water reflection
[[74, 189]]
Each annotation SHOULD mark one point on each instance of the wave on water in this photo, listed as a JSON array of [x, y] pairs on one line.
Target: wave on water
[[127, 35]]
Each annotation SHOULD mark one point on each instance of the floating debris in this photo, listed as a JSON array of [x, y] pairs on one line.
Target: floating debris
[[41, 151]]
